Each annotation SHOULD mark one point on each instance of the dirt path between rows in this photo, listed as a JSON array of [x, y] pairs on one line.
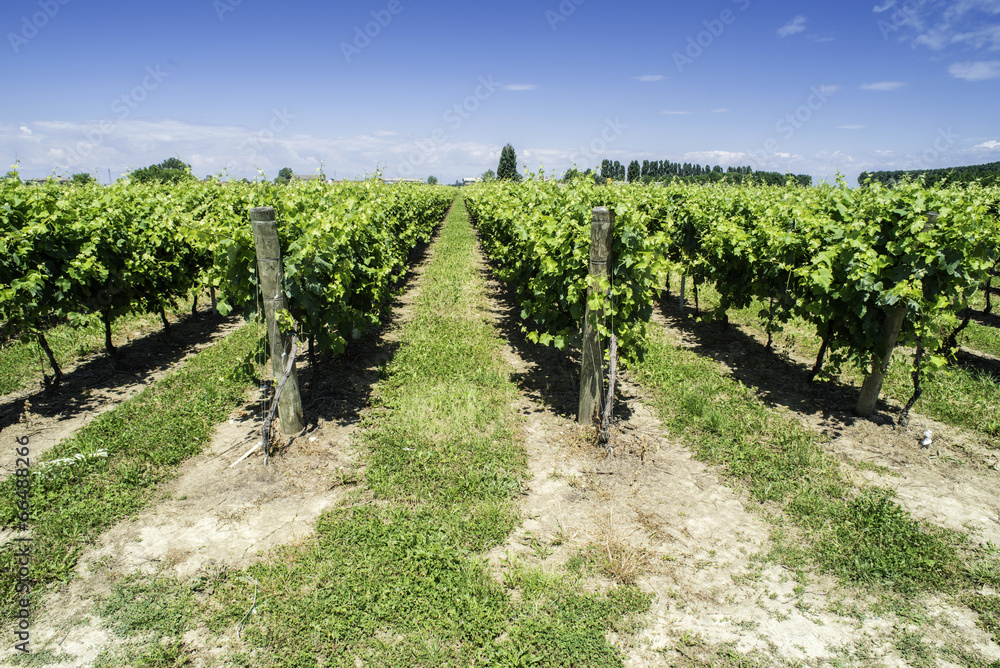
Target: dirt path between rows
[[671, 525], [215, 514]]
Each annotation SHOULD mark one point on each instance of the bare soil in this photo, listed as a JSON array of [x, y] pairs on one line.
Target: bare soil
[[656, 517]]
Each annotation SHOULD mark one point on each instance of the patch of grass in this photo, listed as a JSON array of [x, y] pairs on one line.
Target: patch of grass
[[153, 653], [40, 658], [960, 396], [988, 608], [695, 653], [862, 537], [983, 566], [613, 557], [142, 603], [960, 654], [982, 338], [370, 571], [616, 561], [873, 539], [398, 588], [22, 364], [152, 612], [914, 649], [567, 629], [144, 438]]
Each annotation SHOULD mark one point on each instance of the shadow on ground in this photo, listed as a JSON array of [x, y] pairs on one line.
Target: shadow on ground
[[549, 375], [134, 362], [777, 379]]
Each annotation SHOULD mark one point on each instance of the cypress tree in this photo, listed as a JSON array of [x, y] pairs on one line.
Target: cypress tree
[[507, 169]]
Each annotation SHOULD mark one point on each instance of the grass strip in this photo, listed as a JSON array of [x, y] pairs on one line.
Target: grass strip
[[395, 576], [861, 535], [981, 338], [144, 438]]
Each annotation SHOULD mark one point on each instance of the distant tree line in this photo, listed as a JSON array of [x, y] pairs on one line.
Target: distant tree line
[[987, 174], [171, 170], [573, 173], [81, 178], [650, 171]]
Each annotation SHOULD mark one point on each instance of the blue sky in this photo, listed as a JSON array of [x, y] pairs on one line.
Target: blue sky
[[414, 88]]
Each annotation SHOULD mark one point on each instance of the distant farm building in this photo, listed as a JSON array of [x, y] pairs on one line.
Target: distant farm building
[[36, 182], [312, 177], [398, 180]]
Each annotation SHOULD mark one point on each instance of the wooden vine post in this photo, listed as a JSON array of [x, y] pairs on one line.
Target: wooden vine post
[[591, 375], [269, 269]]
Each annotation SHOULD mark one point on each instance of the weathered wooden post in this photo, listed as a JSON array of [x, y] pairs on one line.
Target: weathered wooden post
[[269, 269], [591, 375]]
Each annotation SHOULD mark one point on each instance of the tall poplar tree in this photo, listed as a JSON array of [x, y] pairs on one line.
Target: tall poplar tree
[[633, 171]]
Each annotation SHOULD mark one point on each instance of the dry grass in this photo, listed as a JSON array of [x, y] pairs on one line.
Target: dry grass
[[612, 556]]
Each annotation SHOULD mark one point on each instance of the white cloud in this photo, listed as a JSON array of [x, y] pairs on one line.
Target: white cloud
[[934, 39], [976, 71], [62, 147], [25, 130], [820, 39], [719, 111], [884, 85], [882, 8], [646, 78], [828, 89], [986, 36], [796, 25], [722, 158], [988, 145], [519, 87], [675, 113], [968, 24], [851, 127]]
